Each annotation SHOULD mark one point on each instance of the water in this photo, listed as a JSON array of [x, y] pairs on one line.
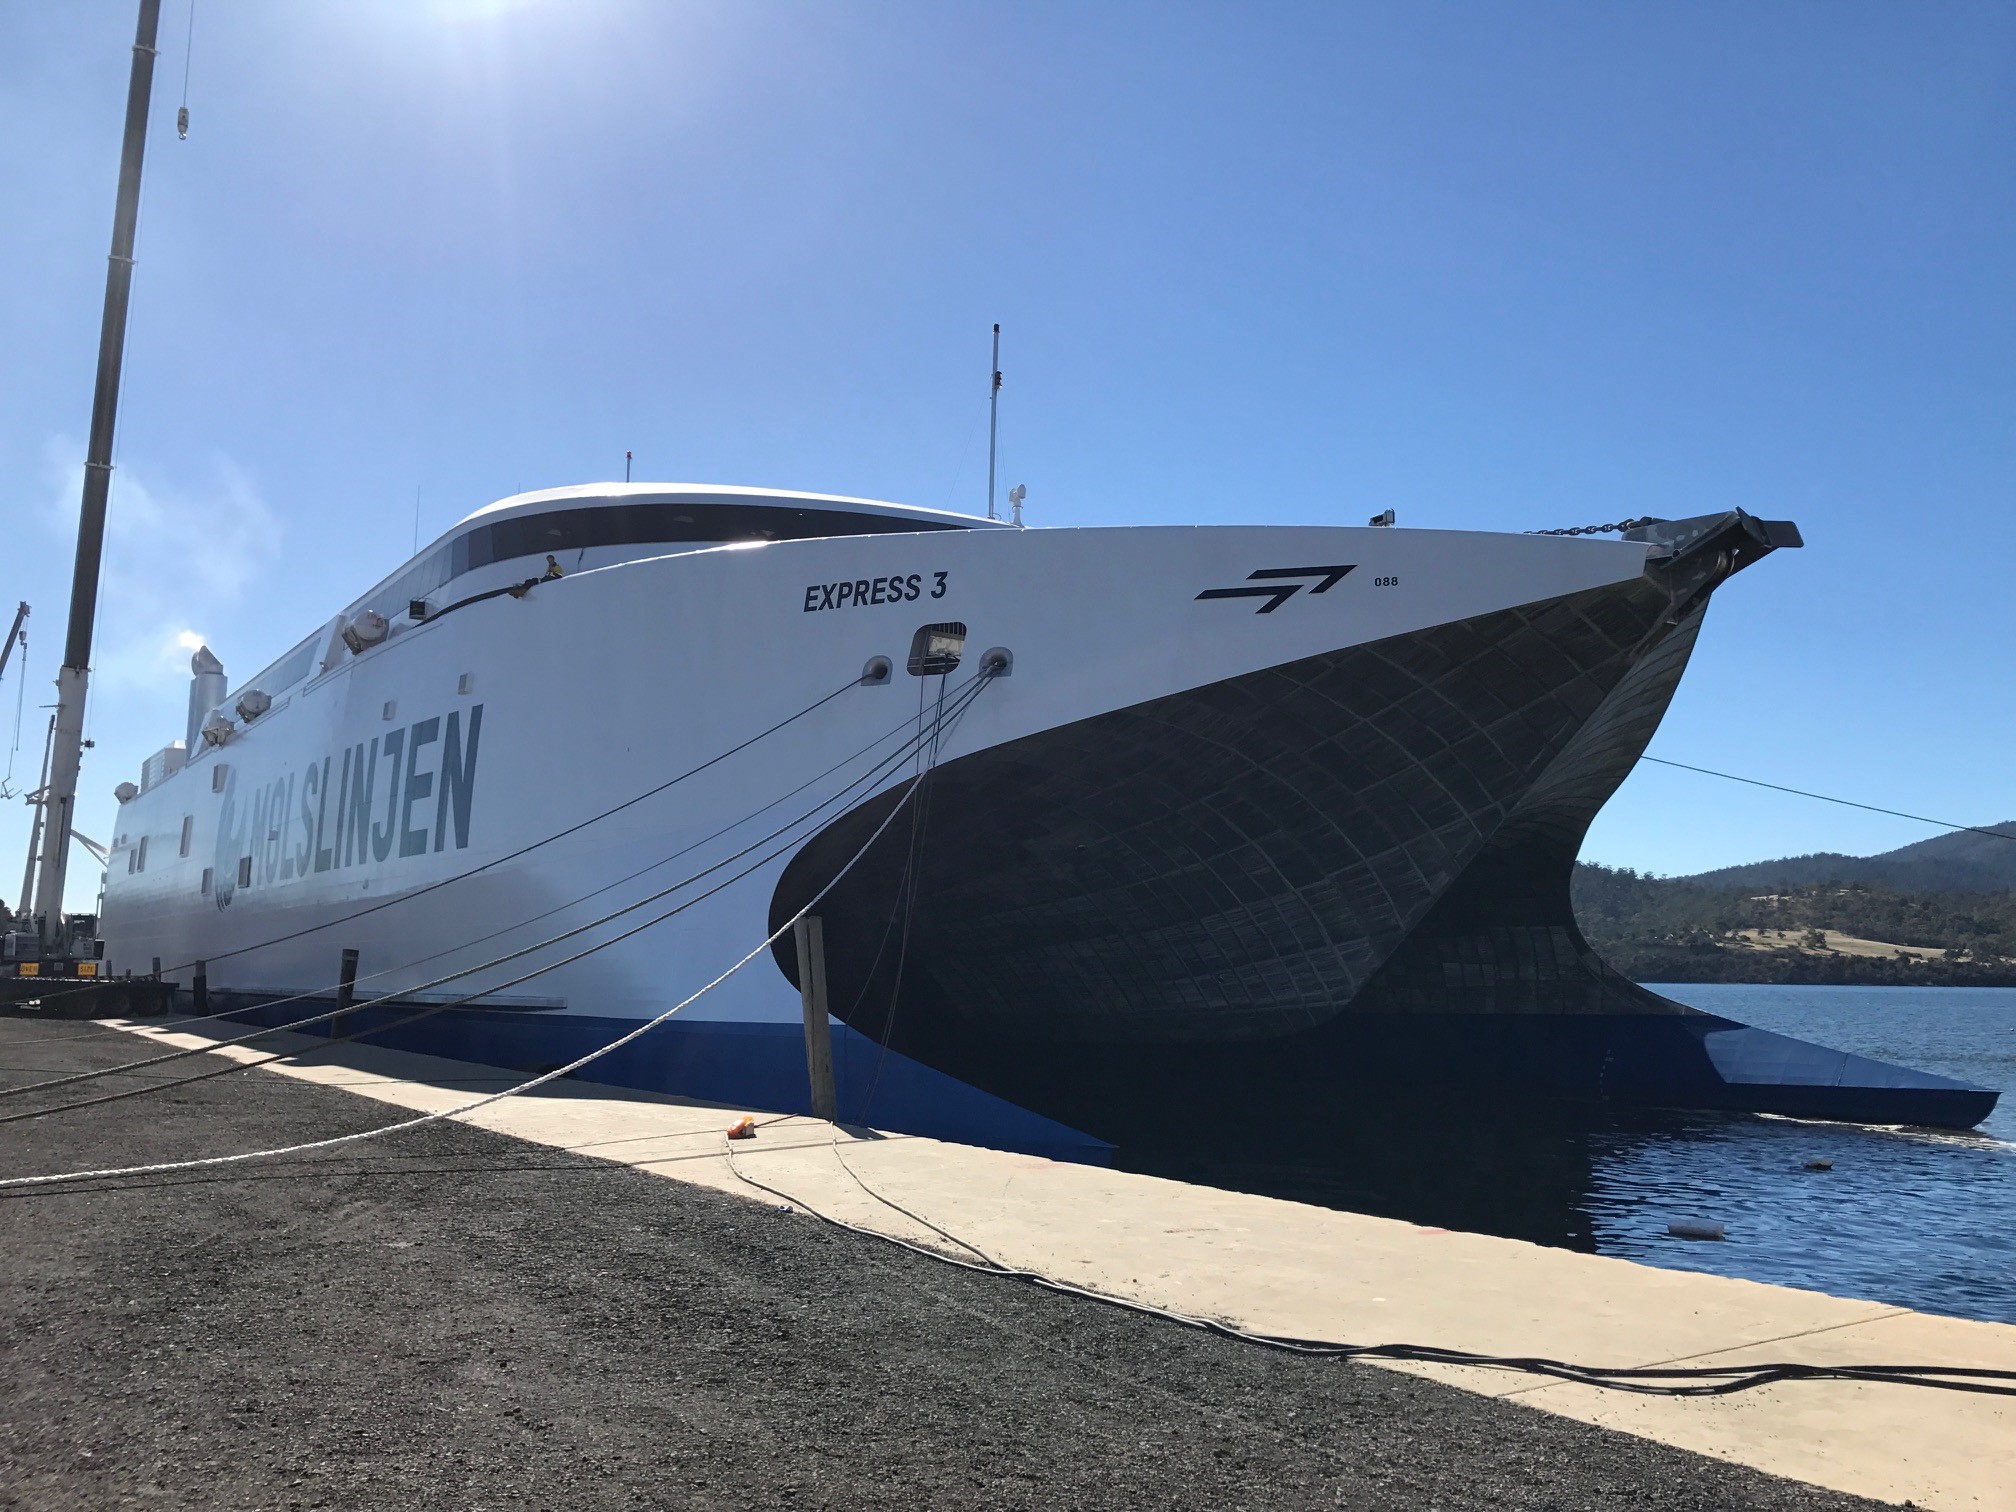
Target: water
[[1911, 1217], [1921, 1219]]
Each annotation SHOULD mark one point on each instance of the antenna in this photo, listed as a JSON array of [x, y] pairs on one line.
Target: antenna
[[626, 467], [993, 411]]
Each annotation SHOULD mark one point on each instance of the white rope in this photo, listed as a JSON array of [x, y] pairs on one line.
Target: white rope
[[162, 1167]]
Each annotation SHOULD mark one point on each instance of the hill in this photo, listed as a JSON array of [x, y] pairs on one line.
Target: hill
[[1962, 862], [1686, 929]]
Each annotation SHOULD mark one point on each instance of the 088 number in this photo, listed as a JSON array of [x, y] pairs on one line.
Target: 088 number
[[1386, 582]]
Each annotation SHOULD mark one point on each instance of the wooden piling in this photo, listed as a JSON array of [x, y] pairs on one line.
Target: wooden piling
[[810, 939], [346, 990]]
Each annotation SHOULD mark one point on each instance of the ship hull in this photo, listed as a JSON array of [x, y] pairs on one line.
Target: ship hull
[[1333, 880], [1238, 815]]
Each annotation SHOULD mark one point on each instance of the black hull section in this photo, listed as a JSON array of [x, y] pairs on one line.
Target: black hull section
[[1236, 862], [1321, 1084], [1291, 891]]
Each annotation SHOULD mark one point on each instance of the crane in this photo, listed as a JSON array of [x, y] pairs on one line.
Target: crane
[[13, 635]]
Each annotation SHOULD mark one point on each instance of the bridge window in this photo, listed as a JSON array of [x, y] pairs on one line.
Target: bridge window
[[643, 524]]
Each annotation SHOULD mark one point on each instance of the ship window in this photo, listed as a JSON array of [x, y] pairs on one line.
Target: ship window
[[188, 831], [140, 862], [300, 661], [218, 774], [244, 871], [204, 889], [642, 524], [282, 675], [935, 649]]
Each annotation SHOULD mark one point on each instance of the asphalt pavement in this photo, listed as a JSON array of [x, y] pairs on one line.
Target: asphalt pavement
[[454, 1318]]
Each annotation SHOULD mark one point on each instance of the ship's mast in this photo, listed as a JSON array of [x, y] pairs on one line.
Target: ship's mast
[[67, 748]]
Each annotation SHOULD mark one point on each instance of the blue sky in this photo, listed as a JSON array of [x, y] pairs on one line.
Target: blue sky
[[1491, 266]]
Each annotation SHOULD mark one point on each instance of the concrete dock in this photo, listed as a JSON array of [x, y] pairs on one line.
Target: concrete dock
[[1145, 1412]]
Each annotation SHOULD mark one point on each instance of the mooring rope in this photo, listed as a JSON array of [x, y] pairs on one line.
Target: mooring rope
[[1946, 824], [325, 1042], [384, 971], [225, 955], [875, 774], [207, 1162]]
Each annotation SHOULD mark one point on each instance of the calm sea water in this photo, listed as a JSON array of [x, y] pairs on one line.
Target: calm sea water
[[1920, 1219]]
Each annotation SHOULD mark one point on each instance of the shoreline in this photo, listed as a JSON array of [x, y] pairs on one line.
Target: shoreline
[[1695, 966]]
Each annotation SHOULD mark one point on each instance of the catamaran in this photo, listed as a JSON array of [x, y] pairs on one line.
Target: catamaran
[[1098, 823]]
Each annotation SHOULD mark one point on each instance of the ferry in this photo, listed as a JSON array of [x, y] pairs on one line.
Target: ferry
[[1106, 828]]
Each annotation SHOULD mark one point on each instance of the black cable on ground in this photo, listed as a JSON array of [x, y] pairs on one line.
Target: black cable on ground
[[1670, 1381], [875, 774]]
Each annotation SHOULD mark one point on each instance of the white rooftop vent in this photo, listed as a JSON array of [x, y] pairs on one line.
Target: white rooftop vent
[[252, 703], [217, 729], [366, 628]]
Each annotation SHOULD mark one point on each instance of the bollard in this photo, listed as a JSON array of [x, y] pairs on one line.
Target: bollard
[[199, 990], [346, 991], [810, 939]]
